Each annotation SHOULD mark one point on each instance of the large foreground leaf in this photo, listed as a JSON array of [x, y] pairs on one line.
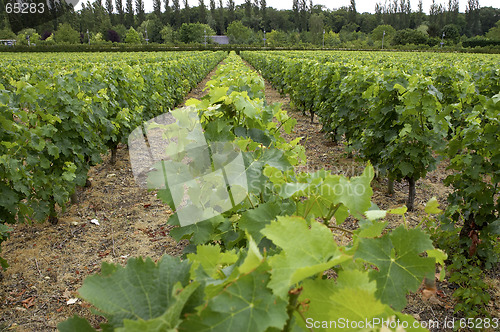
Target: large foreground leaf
[[244, 305], [351, 298], [141, 290], [355, 193], [349, 303], [75, 324], [400, 266], [166, 322], [305, 252], [254, 220]]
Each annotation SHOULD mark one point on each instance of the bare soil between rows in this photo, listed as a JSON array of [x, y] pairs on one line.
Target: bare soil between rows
[[49, 263]]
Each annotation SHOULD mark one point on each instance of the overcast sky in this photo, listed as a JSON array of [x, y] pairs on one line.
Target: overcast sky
[[361, 5]]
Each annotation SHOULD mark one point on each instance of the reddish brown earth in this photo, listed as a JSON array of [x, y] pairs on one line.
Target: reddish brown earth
[[48, 263]]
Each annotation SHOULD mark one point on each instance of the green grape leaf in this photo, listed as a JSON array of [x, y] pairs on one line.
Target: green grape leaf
[[193, 102], [166, 322], [8, 200], [141, 290], [432, 206], [53, 150], [253, 259], [409, 321], [406, 168], [305, 252], [212, 260], [352, 298], [69, 171], [368, 228], [154, 325], [256, 162], [218, 94], [288, 190], [75, 324], [341, 214], [245, 105], [254, 220], [401, 89], [440, 256], [255, 134], [355, 193], [246, 304], [494, 227], [400, 266], [197, 233], [399, 211], [3, 263], [375, 214]]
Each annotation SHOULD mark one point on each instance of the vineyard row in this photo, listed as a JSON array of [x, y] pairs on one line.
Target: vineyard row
[[263, 264], [58, 118]]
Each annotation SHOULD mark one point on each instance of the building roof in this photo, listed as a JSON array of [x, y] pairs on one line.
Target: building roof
[[222, 40]]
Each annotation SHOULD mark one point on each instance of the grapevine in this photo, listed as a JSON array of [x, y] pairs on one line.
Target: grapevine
[[260, 266]]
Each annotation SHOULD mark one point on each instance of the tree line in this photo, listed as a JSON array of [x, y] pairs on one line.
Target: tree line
[[173, 21]]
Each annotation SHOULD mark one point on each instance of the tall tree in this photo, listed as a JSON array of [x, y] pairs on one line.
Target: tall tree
[[157, 8], [102, 22], [419, 16], [202, 12], [176, 18], [303, 15], [489, 17], [352, 12], [4, 20], [166, 14], [121, 13], [263, 12], [109, 9], [296, 10], [256, 7], [393, 14], [213, 13], [436, 19], [221, 26], [231, 15], [316, 27], [433, 12], [248, 9], [472, 18], [86, 17], [452, 14], [212, 7], [129, 18], [404, 14], [141, 14], [187, 13]]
